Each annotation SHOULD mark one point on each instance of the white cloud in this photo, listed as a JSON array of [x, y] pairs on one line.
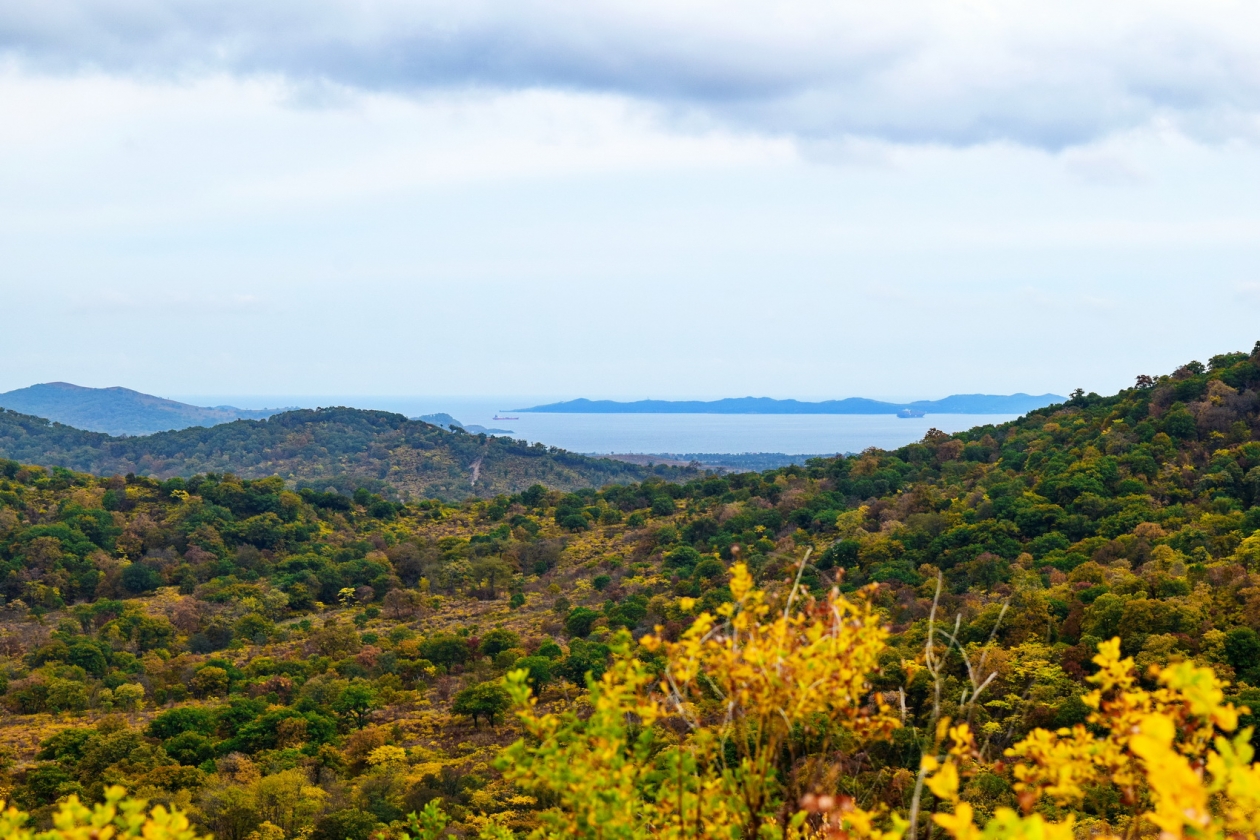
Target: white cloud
[[568, 200], [1050, 75], [115, 153]]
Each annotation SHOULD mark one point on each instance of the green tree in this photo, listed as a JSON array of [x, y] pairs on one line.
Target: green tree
[[537, 671], [139, 578], [1242, 648], [346, 824], [357, 702], [579, 621], [498, 640], [189, 748], [445, 649], [487, 699]]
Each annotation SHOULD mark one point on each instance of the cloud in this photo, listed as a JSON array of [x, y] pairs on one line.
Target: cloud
[[1102, 168], [906, 71]]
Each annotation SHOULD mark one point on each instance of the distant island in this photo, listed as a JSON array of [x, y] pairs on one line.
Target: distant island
[[956, 404], [120, 411], [717, 461], [448, 422]]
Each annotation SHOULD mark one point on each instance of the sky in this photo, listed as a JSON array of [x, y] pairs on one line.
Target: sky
[[903, 199]]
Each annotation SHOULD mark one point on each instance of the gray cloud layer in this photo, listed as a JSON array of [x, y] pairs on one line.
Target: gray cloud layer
[[915, 71]]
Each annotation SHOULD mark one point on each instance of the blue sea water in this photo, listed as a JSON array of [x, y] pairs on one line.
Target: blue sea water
[[792, 434]]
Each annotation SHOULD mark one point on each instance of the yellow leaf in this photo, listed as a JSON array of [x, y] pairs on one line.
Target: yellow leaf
[[945, 782]]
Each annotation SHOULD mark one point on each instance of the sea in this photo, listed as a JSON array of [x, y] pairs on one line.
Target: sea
[[656, 434]]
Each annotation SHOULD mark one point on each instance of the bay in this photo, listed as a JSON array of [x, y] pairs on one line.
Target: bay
[[792, 434]]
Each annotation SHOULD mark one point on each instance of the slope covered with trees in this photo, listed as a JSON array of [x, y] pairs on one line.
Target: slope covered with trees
[[866, 646], [341, 448]]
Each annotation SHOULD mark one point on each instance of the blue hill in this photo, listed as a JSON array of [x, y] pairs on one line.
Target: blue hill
[[119, 411], [955, 404]]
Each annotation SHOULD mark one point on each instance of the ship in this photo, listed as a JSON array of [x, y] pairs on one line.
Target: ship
[[497, 417], [906, 412]]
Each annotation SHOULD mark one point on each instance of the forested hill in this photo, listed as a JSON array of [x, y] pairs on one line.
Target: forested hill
[[343, 448], [119, 411], [344, 655]]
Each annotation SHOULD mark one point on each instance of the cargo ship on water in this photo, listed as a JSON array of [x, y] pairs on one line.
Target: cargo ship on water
[[905, 412]]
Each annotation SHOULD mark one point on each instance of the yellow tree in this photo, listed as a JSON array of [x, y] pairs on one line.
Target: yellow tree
[[759, 697]]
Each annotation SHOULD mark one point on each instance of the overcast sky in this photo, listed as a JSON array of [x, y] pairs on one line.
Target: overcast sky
[[625, 199]]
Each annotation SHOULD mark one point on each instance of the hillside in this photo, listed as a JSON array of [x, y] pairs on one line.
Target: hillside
[[955, 404], [339, 448], [319, 665], [118, 411]]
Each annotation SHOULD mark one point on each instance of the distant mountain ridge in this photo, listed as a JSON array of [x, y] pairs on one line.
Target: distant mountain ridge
[[341, 448], [954, 404], [119, 411]]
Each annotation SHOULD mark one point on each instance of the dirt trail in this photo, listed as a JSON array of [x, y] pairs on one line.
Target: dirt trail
[[476, 469]]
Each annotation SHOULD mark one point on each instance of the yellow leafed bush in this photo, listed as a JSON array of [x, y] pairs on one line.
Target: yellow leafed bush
[[742, 689], [1165, 750], [116, 817], [746, 688]]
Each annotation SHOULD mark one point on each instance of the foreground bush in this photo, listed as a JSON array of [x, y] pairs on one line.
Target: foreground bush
[[770, 706], [115, 818]]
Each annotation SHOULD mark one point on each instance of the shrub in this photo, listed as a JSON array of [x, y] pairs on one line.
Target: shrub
[[117, 817]]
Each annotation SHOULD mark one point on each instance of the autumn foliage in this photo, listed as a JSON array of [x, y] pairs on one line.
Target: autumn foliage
[[1043, 628]]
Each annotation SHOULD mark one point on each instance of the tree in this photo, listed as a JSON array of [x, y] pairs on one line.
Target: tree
[[129, 697], [288, 799], [346, 824], [487, 699], [357, 701], [210, 681], [401, 603], [579, 621], [534, 496], [1179, 423], [1242, 648], [537, 671], [584, 658], [498, 640], [88, 656], [139, 578], [445, 649], [185, 719], [189, 748], [228, 811]]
